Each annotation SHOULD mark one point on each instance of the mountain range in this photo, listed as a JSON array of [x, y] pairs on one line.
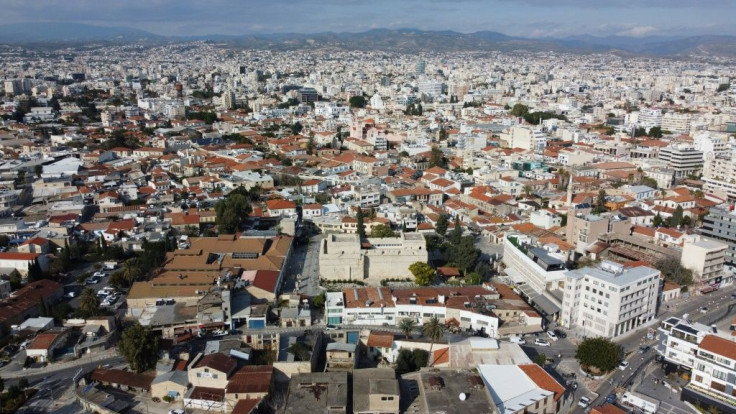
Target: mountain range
[[396, 40]]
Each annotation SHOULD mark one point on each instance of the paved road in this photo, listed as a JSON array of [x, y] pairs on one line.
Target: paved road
[[302, 271]]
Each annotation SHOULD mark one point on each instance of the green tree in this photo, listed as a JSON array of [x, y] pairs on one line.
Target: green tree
[[38, 169], [599, 352], [527, 189], [382, 231], [319, 300], [441, 225], [434, 330], [361, 223], [407, 325], [420, 357], [300, 350], [473, 278], [436, 157], [191, 231], [541, 359], [457, 231], [131, 270], [463, 254], [231, 212], [34, 271], [139, 346], [89, 304], [657, 221], [677, 216], [423, 273], [674, 271], [655, 132], [404, 361], [519, 110], [357, 101], [600, 202]]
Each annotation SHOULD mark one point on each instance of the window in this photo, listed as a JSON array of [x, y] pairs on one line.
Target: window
[[717, 386], [700, 366], [720, 375]]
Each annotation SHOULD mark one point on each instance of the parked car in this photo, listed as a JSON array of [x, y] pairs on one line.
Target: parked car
[[99, 274], [584, 402], [704, 309], [611, 398], [330, 328], [517, 340], [623, 365], [541, 342], [644, 348], [552, 335], [177, 411], [92, 281], [71, 294], [560, 333]]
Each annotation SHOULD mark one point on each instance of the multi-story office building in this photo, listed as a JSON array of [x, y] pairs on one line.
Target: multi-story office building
[[650, 117], [682, 158], [720, 224], [706, 259], [609, 300]]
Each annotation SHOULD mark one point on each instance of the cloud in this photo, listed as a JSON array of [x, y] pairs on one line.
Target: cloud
[[526, 18]]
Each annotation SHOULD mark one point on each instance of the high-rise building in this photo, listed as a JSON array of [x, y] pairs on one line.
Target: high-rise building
[[706, 259], [609, 300], [420, 67]]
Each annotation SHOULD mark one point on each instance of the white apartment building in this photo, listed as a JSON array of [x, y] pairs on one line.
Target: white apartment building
[[706, 258], [431, 87], [609, 300], [709, 143], [683, 158], [676, 123], [679, 339], [719, 175], [541, 268], [649, 117], [526, 137], [713, 380], [545, 219]]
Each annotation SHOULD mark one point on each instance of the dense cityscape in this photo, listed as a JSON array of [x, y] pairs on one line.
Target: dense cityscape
[[194, 227]]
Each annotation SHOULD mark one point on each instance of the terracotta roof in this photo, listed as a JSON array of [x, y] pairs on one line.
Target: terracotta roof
[[217, 361], [266, 280], [380, 339], [246, 406], [543, 379], [718, 345], [607, 409], [118, 376], [440, 356], [18, 256], [250, 379], [43, 340], [280, 204]]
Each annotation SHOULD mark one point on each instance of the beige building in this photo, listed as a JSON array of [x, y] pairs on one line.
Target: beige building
[[318, 392], [706, 258], [211, 371], [171, 383], [343, 257], [375, 391]]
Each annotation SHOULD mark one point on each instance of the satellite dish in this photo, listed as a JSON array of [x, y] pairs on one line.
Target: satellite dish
[[462, 396]]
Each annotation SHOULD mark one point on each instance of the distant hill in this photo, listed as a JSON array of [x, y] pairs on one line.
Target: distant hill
[[397, 40]]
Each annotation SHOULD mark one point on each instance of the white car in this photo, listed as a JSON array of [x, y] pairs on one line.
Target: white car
[[552, 335], [623, 365], [92, 281], [177, 411], [99, 274], [541, 342], [584, 402]]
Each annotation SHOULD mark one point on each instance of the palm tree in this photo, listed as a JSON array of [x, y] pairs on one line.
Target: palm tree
[[434, 330], [131, 271], [88, 302], [407, 325]]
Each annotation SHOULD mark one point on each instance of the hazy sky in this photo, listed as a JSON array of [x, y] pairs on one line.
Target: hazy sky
[[528, 18]]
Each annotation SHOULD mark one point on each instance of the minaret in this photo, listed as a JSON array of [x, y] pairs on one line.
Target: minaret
[[569, 191]]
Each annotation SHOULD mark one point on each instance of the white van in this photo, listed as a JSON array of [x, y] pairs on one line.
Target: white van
[[517, 340]]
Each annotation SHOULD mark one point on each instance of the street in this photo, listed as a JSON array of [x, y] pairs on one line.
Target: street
[[302, 271]]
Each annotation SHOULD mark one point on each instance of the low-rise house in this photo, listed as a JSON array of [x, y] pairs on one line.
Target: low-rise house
[[211, 371], [340, 357], [318, 392], [375, 390], [172, 384], [252, 382], [44, 345], [125, 380]]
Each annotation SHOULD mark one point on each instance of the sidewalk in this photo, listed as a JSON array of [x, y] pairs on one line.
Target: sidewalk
[[60, 366]]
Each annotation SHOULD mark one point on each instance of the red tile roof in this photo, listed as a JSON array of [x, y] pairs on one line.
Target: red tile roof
[[250, 379], [43, 340], [18, 256], [718, 345], [246, 406], [118, 376], [380, 339], [217, 361], [266, 280], [543, 379]]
